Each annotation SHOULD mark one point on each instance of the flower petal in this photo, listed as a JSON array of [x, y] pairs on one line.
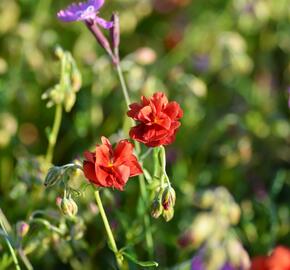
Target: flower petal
[[122, 152], [105, 24], [102, 155], [89, 172], [173, 110], [89, 156]]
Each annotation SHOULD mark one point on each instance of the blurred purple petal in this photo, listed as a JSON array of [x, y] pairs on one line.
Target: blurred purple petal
[[105, 24], [80, 11], [197, 263], [227, 266]]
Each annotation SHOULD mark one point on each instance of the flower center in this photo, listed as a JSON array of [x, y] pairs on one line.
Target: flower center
[[89, 12], [111, 164]]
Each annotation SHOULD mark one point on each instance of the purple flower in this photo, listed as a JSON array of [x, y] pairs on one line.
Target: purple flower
[[197, 263], [84, 11]]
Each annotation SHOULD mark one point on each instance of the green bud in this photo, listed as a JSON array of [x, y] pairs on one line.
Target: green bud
[[68, 207], [69, 101], [59, 52], [76, 78], [53, 176], [156, 208], [168, 198], [168, 214], [22, 228], [203, 226], [237, 254], [204, 200], [234, 214]]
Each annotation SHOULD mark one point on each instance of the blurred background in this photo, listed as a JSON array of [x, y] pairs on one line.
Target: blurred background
[[226, 63]]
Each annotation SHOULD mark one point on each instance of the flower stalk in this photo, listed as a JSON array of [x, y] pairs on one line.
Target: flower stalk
[[13, 254], [54, 133], [143, 190], [111, 239]]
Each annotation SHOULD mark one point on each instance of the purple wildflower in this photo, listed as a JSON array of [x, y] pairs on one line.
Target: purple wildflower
[[84, 11]]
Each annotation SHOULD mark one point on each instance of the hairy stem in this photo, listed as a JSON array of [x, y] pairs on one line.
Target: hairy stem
[[13, 254], [143, 190], [54, 133], [110, 235]]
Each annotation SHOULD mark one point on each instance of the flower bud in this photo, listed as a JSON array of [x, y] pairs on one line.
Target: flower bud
[[168, 198], [100, 37], [115, 33], [156, 208], [22, 228], [234, 213], [203, 226], [68, 207], [59, 52], [168, 214], [54, 175], [237, 254], [76, 79]]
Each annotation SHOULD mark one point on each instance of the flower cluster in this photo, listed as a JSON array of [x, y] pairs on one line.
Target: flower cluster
[[158, 125]]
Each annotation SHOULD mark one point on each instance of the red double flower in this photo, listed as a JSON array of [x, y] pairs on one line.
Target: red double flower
[[157, 120], [108, 167]]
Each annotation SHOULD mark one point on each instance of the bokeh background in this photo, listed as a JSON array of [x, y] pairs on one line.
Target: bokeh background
[[226, 63]]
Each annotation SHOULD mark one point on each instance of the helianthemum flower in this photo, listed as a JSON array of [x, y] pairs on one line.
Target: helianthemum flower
[[84, 11], [158, 120], [108, 167]]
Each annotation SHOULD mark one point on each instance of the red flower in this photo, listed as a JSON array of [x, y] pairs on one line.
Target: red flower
[[278, 260], [111, 168], [259, 263], [157, 120]]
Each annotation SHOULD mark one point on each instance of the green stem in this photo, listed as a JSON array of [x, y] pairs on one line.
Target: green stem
[[13, 254], [110, 235], [123, 85], [143, 190], [54, 133]]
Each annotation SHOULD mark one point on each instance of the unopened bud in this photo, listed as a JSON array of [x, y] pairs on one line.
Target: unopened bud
[[59, 52], [58, 201], [156, 208], [53, 176], [204, 200], [76, 78], [68, 207], [237, 254], [22, 228], [115, 33], [168, 214], [168, 198], [203, 226], [100, 37], [234, 213]]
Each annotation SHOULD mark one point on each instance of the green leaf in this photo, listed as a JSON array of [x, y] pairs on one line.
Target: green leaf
[[141, 263]]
